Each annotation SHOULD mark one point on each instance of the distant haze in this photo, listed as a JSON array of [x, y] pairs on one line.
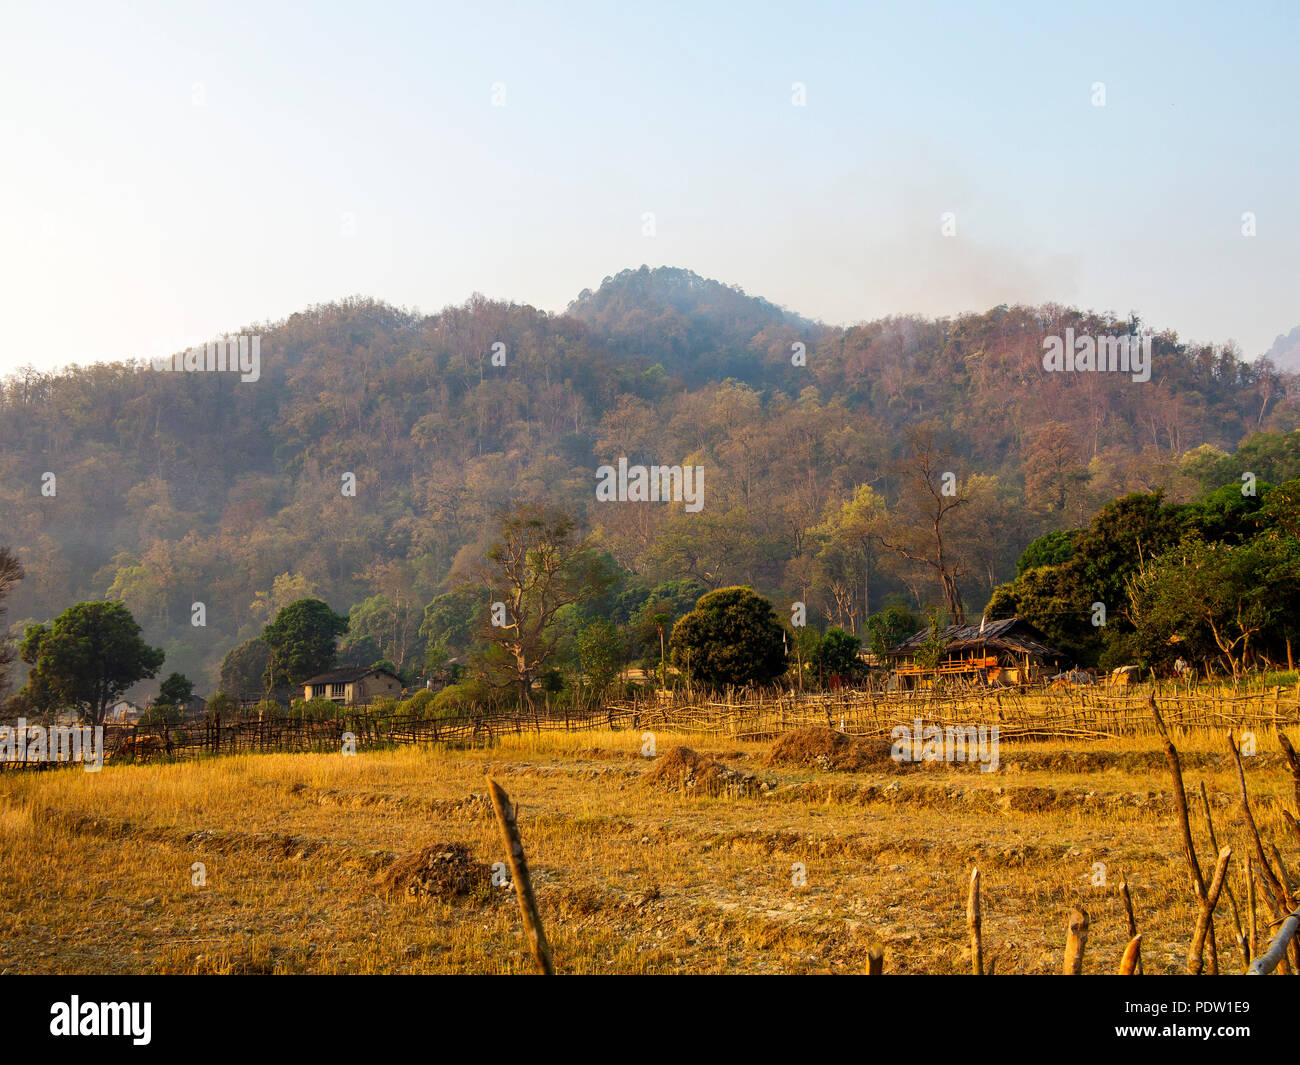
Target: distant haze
[[175, 174]]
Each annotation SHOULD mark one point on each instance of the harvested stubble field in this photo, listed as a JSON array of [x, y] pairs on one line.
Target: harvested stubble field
[[660, 865]]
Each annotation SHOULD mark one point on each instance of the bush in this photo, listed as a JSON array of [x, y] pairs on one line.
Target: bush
[[418, 704], [385, 706], [458, 699], [837, 656], [162, 714], [223, 704], [268, 708], [317, 709]]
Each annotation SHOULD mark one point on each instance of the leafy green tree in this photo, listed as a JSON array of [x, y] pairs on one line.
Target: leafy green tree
[[653, 620], [1225, 515], [176, 690], [837, 655], [1050, 549], [930, 653], [359, 651], [243, 670], [1136, 526], [394, 624], [451, 622], [1054, 600], [889, 627], [1211, 600], [601, 648], [731, 637], [222, 705], [89, 656], [303, 641]]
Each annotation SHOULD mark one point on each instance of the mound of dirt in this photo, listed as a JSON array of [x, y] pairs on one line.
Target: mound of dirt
[[681, 769], [445, 871], [824, 748]]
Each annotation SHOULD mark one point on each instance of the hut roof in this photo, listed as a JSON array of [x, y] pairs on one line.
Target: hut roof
[[1009, 634]]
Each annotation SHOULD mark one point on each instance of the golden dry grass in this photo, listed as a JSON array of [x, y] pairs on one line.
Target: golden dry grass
[[95, 869]]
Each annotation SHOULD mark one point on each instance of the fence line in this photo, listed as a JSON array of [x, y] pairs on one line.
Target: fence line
[[1019, 713]]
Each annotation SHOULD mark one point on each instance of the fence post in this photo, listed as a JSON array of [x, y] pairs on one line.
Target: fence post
[[1075, 939], [506, 822]]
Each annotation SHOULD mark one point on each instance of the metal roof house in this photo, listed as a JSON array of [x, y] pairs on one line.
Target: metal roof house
[[1010, 651]]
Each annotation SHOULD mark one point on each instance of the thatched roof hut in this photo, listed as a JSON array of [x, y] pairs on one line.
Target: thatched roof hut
[[1010, 650], [1011, 635]]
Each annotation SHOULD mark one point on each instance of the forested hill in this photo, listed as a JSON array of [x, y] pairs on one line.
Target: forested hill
[[176, 488]]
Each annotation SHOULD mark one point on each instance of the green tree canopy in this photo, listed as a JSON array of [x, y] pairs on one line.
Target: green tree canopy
[[243, 670], [837, 655], [302, 640], [176, 690], [90, 655], [731, 637]]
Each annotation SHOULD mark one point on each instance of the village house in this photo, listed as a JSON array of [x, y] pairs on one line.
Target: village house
[[124, 711], [352, 686], [1010, 651]]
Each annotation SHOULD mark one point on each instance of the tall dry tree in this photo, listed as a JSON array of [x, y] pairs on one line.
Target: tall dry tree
[[920, 526], [539, 564]]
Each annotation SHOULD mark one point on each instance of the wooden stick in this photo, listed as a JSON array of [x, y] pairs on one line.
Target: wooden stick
[[973, 923], [1274, 885], [1076, 939], [1268, 961], [519, 873], [1281, 872], [1207, 913], [1278, 915], [1292, 824], [1250, 901], [1132, 921], [1232, 898], [1180, 801], [875, 961], [1293, 763], [1280, 894], [1184, 822], [1131, 963]]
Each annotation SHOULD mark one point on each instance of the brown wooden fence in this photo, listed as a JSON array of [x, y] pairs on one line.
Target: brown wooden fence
[[1086, 713]]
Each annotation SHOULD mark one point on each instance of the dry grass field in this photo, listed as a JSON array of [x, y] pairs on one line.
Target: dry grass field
[[632, 876]]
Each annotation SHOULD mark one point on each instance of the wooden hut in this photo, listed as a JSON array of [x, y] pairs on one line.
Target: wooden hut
[[1010, 651]]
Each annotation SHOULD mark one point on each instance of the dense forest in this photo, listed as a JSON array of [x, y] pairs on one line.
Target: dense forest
[[822, 448]]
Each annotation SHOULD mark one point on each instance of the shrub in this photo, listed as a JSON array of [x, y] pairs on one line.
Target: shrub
[[418, 704], [317, 709], [268, 708], [457, 699]]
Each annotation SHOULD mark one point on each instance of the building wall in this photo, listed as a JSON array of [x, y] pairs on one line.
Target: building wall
[[368, 688]]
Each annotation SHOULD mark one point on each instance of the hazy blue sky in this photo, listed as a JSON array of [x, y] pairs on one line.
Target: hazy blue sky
[[172, 172]]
